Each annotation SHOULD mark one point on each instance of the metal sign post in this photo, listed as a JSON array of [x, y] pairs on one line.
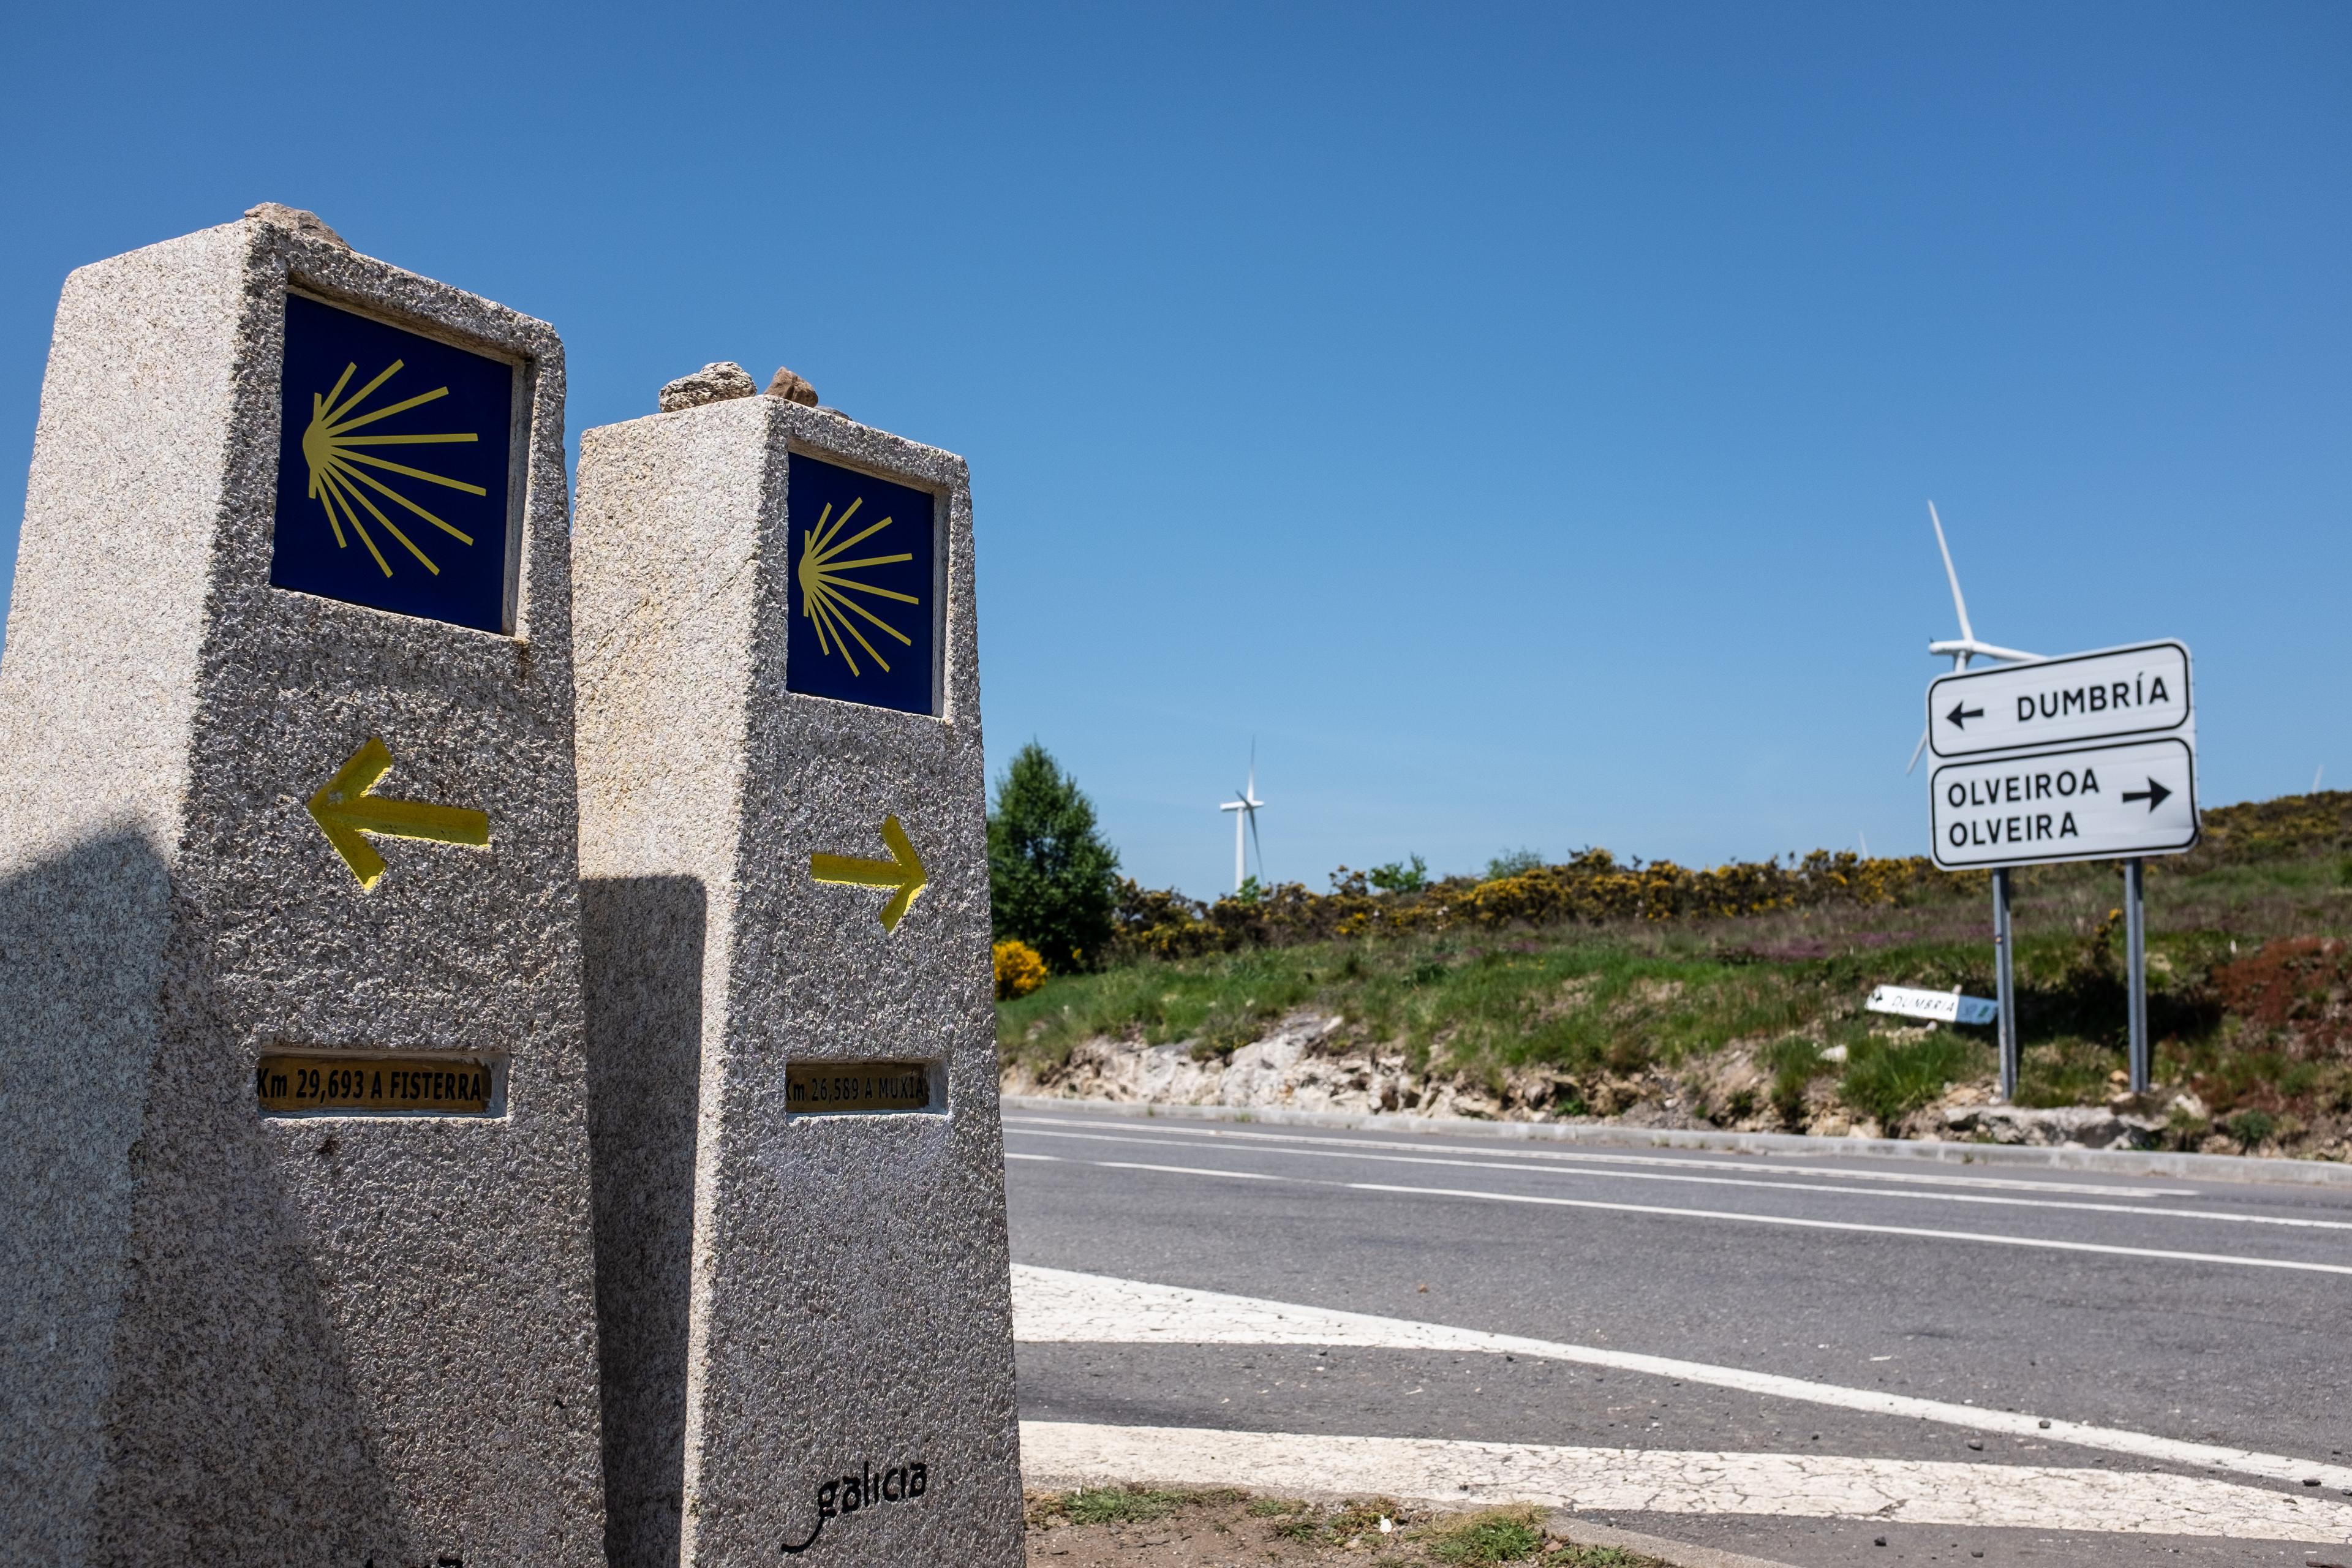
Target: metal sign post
[[2136, 968], [2004, 984], [2086, 757]]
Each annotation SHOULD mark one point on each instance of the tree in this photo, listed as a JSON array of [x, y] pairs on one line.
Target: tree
[[1052, 881]]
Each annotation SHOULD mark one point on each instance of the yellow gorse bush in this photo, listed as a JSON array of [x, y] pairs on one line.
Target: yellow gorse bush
[[1019, 970], [1593, 886]]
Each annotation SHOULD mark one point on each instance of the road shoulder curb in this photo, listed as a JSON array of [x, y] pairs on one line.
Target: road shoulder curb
[[2111, 1161]]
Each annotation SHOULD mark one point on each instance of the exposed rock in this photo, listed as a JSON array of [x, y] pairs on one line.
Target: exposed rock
[[1299, 1064], [1614, 1096], [1669, 1116], [2066, 1126], [308, 225], [712, 384], [1539, 1087], [791, 388], [1285, 1068]]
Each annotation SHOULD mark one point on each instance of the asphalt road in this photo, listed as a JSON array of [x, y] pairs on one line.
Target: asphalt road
[[2202, 1312]]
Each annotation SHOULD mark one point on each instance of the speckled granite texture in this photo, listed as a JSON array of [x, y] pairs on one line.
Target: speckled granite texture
[[785, 1300], [227, 1337]]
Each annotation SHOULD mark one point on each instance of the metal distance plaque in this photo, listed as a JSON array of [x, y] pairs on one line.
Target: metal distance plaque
[[294, 1083], [816, 1088]]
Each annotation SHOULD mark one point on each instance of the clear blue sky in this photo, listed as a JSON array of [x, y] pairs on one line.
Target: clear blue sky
[[1521, 421]]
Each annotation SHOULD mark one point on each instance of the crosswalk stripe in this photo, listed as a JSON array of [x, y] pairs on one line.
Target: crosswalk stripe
[[1053, 1305]]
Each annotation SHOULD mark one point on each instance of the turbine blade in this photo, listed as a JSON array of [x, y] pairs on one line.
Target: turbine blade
[[1257, 844], [1959, 603], [1915, 752]]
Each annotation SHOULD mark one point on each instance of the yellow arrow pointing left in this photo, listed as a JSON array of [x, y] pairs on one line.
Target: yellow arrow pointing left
[[345, 809]]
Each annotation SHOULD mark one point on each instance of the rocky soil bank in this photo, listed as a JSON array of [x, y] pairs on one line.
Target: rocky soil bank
[[1308, 1062]]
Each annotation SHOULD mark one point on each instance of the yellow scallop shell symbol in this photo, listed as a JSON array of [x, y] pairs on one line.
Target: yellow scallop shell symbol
[[824, 591], [339, 470]]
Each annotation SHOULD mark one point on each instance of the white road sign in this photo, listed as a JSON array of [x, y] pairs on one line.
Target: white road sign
[[2084, 803], [2140, 691], [1945, 1006]]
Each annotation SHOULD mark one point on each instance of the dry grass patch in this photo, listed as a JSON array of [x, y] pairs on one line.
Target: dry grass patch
[[1141, 1527]]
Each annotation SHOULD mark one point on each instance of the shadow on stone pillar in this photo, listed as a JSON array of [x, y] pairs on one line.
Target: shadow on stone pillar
[[642, 940], [185, 1384]]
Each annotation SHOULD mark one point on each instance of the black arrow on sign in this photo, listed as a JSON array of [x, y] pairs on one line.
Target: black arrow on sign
[[2155, 794], [1960, 715]]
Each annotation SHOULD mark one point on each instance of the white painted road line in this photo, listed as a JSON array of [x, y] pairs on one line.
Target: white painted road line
[[1792, 1221], [1775, 1186], [1811, 1486], [1698, 1161], [1054, 1306], [1787, 1221], [1184, 1171]]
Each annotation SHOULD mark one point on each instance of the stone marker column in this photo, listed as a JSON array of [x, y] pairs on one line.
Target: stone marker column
[[802, 1280], [296, 1247]]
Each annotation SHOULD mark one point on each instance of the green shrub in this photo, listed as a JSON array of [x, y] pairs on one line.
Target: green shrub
[[1794, 1062], [2252, 1128], [1889, 1080]]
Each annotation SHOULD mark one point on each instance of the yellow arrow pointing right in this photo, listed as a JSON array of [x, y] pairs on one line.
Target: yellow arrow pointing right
[[904, 871]]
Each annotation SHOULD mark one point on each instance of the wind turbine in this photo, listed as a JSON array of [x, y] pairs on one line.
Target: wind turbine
[[1965, 646], [1247, 807]]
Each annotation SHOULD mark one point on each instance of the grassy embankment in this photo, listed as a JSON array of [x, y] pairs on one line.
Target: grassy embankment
[[2248, 976]]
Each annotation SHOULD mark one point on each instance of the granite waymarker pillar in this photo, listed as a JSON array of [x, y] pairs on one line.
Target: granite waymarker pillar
[[802, 1281], [297, 1235]]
